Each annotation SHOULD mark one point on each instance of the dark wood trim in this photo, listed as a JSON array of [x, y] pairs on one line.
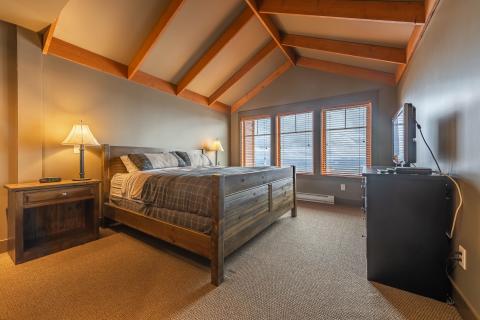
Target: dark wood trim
[[462, 304], [3, 245]]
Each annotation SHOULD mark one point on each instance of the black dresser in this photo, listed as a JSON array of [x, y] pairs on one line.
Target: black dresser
[[407, 217]]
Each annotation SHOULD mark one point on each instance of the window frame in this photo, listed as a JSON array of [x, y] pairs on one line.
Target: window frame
[[323, 137], [278, 141], [242, 136]]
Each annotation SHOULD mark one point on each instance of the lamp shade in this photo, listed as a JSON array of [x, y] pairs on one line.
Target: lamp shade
[[216, 146], [80, 134]]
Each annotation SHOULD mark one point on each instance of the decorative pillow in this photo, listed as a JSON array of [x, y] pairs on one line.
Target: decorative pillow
[[131, 167], [194, 159], [184, 156], [150, 161]]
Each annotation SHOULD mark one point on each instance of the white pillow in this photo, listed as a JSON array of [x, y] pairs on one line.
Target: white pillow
[[163, 160], [129, 165], [198, 159]]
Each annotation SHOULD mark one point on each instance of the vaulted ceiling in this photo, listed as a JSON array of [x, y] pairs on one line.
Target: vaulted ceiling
[[221, 53]]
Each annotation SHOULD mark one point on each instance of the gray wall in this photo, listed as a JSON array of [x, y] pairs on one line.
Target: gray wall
[[301, 89], [443, 82]]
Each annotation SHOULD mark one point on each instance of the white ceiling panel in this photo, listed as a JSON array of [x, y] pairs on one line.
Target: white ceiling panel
[[112, 28], [31, 14], [349, 60], [373, 32], [195, 27], [261, 71], [232, 57]]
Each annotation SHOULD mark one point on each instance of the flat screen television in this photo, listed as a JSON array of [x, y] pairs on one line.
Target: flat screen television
[[404, 136]]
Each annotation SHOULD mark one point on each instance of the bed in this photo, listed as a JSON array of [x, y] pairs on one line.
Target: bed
[[239, 204]]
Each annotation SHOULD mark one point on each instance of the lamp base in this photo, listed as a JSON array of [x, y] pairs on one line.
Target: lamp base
[[81, 179]]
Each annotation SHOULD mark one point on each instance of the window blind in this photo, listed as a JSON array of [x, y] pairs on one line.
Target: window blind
[[346, 140], [295, 141], [256, 142]]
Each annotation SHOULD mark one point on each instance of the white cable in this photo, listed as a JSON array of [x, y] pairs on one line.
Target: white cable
[[450, 235]]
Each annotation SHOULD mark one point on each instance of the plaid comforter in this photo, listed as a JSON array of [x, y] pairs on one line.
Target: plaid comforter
[[185, 189]]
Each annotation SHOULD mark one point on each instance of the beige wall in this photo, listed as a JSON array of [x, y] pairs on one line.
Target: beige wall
[[52, 94], [300, 85], [443, 82]]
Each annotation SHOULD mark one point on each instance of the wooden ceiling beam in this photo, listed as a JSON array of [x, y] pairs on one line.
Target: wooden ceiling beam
[[153, 36], [392, 11], [369, 51], [48, 36], [272, 30], [262, 53], [262, 85], [346, 70], [416, 36], [97, 62], [219, 44]]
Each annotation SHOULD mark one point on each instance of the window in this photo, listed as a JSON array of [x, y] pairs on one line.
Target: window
[[256, 142], [295, 141], [346, 135]]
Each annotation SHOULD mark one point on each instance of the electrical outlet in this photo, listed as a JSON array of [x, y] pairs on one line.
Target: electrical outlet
[[463, 257], [343, 187]]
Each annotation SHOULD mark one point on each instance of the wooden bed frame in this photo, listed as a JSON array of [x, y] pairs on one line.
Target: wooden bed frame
[[243, 205]]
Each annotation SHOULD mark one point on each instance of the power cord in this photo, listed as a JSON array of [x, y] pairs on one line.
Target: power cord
[[460, 204], [419, 127]]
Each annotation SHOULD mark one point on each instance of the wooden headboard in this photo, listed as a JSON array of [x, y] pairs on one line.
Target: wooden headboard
[[112, 164]]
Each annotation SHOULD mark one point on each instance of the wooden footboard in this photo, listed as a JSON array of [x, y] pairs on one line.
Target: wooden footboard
[[251, 202], [243, 205]]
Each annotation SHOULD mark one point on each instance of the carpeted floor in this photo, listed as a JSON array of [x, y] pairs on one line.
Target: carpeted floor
[[309, 267]]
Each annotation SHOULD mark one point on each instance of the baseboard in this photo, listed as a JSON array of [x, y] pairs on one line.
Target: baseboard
[[3, 246], [349, 202], [462, 304]]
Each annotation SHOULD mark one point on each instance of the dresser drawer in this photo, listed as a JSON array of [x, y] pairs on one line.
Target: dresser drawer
[[45, 196]]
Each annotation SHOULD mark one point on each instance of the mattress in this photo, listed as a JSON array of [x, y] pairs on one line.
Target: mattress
[[181, 195]]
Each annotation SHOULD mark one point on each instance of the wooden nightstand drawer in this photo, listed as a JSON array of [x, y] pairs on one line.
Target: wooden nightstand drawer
[[38, 197]]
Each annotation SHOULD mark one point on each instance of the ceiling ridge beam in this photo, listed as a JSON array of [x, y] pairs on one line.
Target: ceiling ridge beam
[[48, 36], [97, 62], [161, 25], [250, 64], [262, 85], [389, 11], [369, 51], [214, 49], [416, 36], [347, 70], [273, 31]]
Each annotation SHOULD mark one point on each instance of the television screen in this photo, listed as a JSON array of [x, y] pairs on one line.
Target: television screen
[[404, 134]]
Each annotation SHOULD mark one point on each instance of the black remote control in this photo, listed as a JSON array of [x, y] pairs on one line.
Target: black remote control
[[49, 179]]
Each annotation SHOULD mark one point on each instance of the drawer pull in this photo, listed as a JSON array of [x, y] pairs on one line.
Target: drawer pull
[[64, 194]]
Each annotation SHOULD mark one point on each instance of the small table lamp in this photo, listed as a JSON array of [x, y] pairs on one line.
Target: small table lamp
[[80, 135], [216, 146]]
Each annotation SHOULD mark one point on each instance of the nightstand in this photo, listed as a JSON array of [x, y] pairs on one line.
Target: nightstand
[[43, 218]]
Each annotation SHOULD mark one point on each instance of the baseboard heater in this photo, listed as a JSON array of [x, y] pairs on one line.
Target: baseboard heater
[[312, 197]]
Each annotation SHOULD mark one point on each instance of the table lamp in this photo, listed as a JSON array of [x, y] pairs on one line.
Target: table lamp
[[216, 146], [80, 135]]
